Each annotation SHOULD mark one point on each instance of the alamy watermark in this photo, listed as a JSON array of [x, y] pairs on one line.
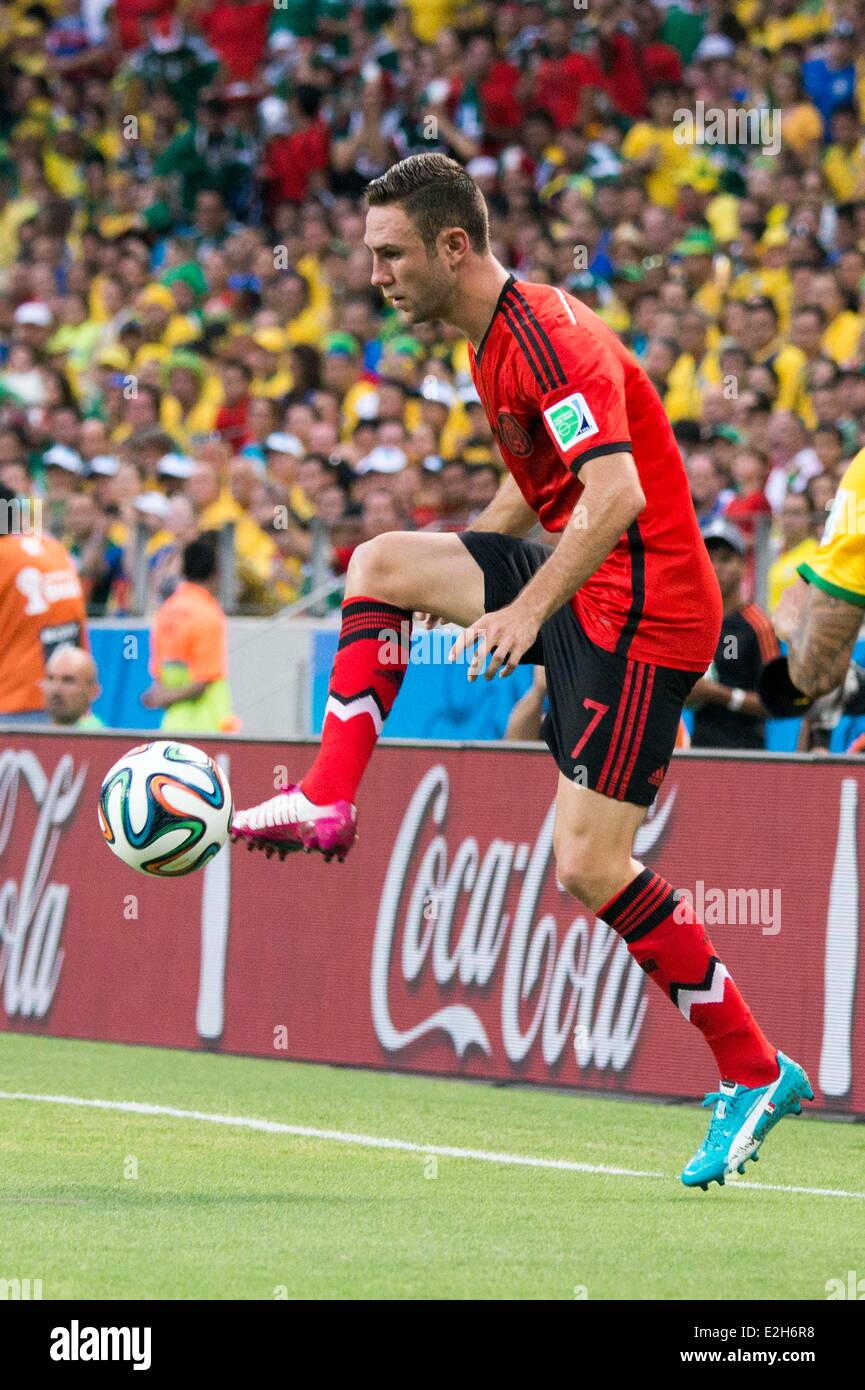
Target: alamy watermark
[[432, 647], [18, 1289], [852, 1287], [734, 125], [21, 516], [731, 907]]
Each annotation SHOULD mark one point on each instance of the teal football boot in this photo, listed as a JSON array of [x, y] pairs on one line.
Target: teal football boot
[[741, 1119]]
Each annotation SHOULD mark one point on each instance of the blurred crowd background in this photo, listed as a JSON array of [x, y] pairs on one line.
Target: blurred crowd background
[[188, 338]]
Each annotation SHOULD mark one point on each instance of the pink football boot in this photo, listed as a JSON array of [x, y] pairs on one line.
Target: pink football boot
[[290, 821]]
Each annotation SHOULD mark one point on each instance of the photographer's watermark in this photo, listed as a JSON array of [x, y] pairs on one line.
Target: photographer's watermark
[[851, 1288], [20, 1289], [429, 648], [77, 1343], [846, 516], [732, 125], [731, 907], [21, 516]]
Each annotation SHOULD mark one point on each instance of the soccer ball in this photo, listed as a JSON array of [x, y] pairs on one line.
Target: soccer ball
[[165, 809]]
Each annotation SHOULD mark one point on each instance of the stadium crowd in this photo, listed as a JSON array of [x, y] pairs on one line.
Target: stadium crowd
[[188, 336]]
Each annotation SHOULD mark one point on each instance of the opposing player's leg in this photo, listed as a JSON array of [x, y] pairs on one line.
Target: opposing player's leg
[[388, 579], [612, 729]]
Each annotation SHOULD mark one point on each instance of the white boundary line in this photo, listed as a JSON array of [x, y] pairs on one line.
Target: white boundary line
[[370, 1141]]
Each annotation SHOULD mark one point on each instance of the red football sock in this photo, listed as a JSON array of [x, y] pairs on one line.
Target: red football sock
[[667, 939], [371, 661]]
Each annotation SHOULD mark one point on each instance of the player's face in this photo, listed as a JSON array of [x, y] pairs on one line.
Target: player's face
[[413, 281]]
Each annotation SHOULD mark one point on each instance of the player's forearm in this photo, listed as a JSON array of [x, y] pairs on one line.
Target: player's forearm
[[508, 513], [822, 641], [602, 517]]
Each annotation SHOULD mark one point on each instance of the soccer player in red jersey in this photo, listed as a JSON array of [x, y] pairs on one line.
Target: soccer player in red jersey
[[624, 613]]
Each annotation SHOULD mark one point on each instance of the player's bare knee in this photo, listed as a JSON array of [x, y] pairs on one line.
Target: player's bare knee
[[573, 865], [586, 872], [374, 569]]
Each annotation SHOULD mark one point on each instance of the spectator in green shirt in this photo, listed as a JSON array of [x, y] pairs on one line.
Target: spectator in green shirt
[[210, 154], [174, 58]]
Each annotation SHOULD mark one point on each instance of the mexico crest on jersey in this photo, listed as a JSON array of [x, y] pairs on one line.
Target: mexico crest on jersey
[[570, 420], [513, 435]]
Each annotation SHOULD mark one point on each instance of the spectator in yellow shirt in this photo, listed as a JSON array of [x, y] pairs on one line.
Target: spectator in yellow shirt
[[793, 23], [342, 371], [306, 321], [798, 544], [13, 211], [192, 400], [767, 348], [265, 358], [844, 326], [216, 506], [694, 369], [657, 150], [801, 122], [163, 326], [844, 160], [429, 17], [696, 254]]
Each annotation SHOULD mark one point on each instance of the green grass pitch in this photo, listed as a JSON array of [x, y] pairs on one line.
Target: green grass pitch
[[99, 1203]]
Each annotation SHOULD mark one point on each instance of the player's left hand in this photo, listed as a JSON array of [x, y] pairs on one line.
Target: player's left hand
[[504, 636]]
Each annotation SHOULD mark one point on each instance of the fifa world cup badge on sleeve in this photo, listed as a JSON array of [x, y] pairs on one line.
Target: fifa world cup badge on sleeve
[[570, 421]]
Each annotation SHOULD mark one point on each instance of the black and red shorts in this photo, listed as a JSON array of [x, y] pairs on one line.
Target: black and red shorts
[[612, 720]]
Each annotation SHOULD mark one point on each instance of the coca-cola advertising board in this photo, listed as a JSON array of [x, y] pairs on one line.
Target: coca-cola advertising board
[[444, 944]]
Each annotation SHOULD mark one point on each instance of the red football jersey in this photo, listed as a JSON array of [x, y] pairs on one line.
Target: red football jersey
[[559, 388]]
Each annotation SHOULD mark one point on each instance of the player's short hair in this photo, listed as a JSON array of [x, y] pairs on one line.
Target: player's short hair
[[435, 192]]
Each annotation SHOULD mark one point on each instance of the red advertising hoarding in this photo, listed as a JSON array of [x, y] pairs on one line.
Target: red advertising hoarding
[[444, 944]]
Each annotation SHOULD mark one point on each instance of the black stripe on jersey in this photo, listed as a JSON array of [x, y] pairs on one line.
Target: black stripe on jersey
[[622, 446], [638, 589], [517, 313], [530, 314], [483, 342], [518, 329]]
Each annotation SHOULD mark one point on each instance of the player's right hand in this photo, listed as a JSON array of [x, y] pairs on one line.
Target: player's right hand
[[427, 620]]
